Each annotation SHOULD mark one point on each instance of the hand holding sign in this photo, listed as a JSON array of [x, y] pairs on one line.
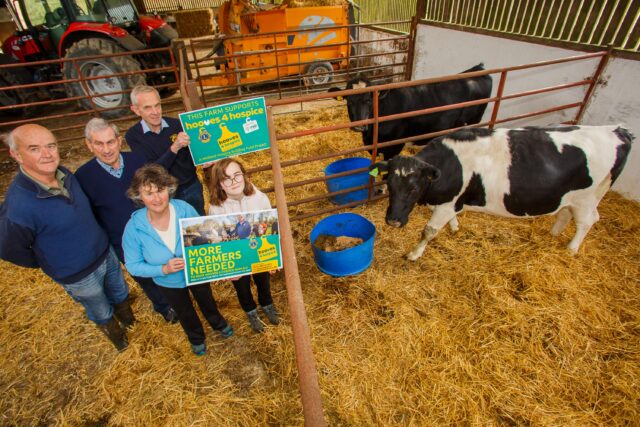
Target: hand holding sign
[[173, 265]]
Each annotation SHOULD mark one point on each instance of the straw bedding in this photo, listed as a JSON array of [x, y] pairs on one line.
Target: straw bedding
[[495, 325]]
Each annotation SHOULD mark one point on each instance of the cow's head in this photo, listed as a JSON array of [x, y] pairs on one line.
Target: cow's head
[[408, 180], [360, 106]]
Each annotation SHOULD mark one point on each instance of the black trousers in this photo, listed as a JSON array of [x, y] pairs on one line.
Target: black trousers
[[181, 302], [243, 290]]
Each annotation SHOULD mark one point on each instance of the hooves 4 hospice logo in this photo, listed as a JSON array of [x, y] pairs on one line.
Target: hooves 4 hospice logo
[[316, 37]]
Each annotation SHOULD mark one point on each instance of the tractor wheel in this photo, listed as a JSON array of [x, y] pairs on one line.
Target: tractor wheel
[[106, 67], [15, 76], [318, 73]]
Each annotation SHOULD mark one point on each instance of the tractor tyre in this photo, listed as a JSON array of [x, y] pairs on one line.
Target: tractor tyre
[[318, 73], [116, 88], [16, 76]]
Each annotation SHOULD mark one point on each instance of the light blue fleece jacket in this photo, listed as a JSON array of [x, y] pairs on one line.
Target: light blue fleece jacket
[[144, 251]]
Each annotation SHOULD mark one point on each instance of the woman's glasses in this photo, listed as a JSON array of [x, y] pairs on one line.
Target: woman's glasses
[[238, 177]]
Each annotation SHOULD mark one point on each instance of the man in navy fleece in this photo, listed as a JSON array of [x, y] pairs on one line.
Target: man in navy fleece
[[161, 140], [46, 222], [105, 180]]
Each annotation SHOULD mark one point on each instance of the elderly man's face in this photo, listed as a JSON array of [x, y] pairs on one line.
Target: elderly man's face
[[148, 108], [36, 151], [105, 145]]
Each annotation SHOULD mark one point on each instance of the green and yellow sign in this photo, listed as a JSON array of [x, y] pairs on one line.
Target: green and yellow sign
[[225, 246], [226, 130]]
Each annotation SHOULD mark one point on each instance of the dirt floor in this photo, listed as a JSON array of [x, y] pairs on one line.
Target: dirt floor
[[495, 325]]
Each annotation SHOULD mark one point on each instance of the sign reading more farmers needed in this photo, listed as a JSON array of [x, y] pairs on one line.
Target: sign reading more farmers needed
[[226, 130], [225, 246]]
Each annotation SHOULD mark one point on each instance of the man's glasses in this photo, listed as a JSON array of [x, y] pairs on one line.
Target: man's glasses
[[238, 177]]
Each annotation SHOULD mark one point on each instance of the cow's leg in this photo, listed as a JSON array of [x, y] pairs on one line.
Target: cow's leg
[[564, 216], [585, 217], [441, 215], [453, 224]]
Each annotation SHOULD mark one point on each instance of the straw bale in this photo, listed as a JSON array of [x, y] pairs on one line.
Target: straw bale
[[494, 325], [195, 22]]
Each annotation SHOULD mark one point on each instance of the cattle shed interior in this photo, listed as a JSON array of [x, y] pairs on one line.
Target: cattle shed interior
[[496, 324]]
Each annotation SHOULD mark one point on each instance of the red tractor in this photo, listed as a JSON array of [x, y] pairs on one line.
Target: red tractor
[[50, 29]]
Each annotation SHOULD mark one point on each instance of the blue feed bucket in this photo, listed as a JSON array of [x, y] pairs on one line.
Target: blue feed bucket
[[345, 182], [349, 261]]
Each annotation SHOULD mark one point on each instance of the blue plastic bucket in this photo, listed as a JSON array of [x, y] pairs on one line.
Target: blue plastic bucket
[[345, 182], [349, 261]]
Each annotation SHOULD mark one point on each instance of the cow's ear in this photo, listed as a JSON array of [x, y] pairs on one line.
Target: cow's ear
[[378, 168], [431, 172]]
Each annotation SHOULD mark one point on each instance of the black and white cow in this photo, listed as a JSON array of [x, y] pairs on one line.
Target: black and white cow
[[394, 101], [509, 172]]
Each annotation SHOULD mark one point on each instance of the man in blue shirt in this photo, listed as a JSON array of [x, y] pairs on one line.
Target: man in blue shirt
[[243, 228], [161, 140], [105, 180], [46, 222]]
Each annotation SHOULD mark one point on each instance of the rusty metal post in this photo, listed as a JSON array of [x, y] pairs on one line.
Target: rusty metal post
[[308, 376], [188, 88], [374, 152], [591, 89], [496, 105], [408, 71]]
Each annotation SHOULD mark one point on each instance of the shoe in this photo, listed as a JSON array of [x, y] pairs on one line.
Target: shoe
[[116, 333], [272, 314], [124, 314], [254, 321], [199, 349], [227, 331], [171, 316]]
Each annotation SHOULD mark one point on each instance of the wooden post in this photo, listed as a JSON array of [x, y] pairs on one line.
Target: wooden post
[[307, 374]]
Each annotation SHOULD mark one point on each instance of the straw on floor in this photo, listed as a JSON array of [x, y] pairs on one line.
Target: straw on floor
[[495, 325]]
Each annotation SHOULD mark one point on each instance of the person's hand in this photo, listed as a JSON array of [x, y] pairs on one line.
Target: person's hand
[[208, 164], [173, 265], [182, 140]]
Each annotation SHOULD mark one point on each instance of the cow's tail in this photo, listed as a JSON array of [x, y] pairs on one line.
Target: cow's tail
[[622, 151]]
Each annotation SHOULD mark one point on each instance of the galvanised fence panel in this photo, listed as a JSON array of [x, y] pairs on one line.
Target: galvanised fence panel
[[372, 11], [599, 23]]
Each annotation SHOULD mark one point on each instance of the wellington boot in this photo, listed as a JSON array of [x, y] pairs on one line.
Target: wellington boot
[[124, 314], [254, 321], [272, 314], [116, 333]]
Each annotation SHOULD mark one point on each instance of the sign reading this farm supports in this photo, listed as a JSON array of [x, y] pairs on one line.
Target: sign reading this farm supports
[[227, 246], [226, 130]]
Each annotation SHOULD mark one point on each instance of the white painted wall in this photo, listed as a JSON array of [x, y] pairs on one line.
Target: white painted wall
[[442, 51]]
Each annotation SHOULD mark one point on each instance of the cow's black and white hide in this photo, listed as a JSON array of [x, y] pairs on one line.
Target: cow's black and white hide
[[509, 172], [394, 101]]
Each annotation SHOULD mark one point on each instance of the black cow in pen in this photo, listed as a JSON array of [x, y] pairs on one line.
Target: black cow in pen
[[394, 101], [509, 172]]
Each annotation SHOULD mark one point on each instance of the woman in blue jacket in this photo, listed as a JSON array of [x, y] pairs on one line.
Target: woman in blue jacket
[[153, 248]]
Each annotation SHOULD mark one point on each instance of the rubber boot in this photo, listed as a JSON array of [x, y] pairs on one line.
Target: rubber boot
[[272, 314], [124, 314], [254, 321], [116, 333]]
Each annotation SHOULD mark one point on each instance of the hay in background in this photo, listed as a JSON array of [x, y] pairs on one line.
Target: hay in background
[[311, 3], [195, 22], [495, 325]]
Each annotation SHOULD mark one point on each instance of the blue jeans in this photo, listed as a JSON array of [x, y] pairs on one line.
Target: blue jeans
[[100, 290], [192, 194]]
